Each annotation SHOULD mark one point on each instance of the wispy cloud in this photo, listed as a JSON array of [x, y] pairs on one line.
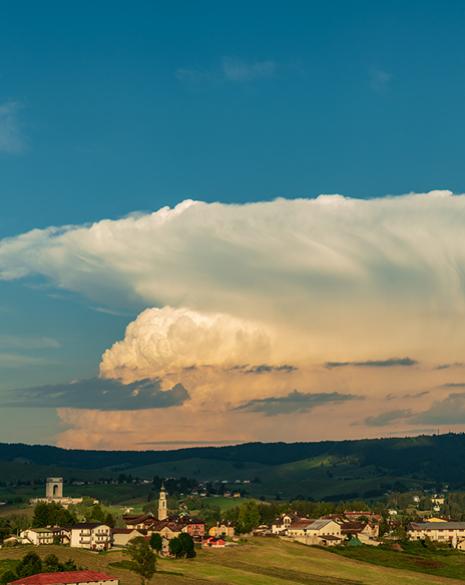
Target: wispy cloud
[[379, 79], [11, 140], [295, 401], [451, 410], [99, 394], [230, 69], [239, 70], [265, 369], [28, 342], [15, 360], [386, 418], [388, 363], [448, 366], [407, 395]]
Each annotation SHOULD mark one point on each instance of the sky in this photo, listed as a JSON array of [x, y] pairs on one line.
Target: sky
[[231, 221]]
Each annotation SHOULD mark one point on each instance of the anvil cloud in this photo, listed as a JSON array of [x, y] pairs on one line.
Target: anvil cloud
[[292, 290]]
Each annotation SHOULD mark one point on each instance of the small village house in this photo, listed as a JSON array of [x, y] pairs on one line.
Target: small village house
[[223, 530], [38, 536], [93, 536]]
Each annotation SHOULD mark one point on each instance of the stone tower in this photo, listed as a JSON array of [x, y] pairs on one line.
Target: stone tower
[[162, 504], [54, 488]]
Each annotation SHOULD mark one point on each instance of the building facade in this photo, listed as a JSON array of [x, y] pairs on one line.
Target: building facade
[[445, 532], [93, 536]]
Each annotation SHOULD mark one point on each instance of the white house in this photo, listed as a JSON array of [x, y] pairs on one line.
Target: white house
[[37, 536], [93, 536]]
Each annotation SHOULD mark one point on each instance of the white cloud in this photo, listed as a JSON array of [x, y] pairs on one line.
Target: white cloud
[[238, 70], [334, 279], [167, 339], [230, 69], [11, 140], [253, 300], [28, 342]]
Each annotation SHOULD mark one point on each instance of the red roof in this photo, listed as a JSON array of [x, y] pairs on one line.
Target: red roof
[[64, 578]]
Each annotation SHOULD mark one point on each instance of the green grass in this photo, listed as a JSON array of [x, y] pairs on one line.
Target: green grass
[[445, 562], [7, 565], [258, 562]]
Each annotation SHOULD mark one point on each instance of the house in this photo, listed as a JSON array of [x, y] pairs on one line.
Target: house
[[352, 528], [282, 524], [445, 532], [324, 531], [68, 578], [122, 536], [224, 530], [93, 536], [438, 500], [38, 536], [195, 527], [323, 528], [298, 527], [213, 542]]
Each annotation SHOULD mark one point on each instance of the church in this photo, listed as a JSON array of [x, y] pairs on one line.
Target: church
[[167, 525]]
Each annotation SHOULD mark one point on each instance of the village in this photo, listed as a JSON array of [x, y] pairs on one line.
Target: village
[[172, 534], [329, 530]]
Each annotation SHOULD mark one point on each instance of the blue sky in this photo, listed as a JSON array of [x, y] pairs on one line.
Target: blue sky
[[107, 108]]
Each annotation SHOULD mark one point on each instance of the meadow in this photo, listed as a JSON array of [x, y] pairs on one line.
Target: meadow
[[264, 561]]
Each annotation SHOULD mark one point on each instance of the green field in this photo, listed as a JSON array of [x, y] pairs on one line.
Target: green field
[[413, 556], [257, 562]]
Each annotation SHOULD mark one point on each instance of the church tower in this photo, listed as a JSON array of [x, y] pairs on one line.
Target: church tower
[[162, 504]]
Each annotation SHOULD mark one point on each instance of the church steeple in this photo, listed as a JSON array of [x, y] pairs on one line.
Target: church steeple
[[162, 504]]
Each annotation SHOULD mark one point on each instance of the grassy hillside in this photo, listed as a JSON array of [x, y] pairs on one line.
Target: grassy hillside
[[413, 556], [259, 562], [328, 469]]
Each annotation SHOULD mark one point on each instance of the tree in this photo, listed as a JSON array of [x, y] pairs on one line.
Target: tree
[[69, 565], [156, 542], [187, 545], [110, 520], [30, 564], [182, 546], [249, 517], [52, 564], [97, 513], [175, 547], [52, 514], [8, 577], [143, 559]]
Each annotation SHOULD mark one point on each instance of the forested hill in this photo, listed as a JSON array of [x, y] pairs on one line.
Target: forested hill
[[371, 464]]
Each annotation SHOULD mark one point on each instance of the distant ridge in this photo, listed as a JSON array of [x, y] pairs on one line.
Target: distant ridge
[[365, 467]]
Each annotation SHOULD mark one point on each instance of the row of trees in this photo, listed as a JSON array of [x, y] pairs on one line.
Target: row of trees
[[54, 514]]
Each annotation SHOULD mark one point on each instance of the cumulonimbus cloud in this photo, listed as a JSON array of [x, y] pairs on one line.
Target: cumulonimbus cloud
[[275, 289], [163, 340]]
